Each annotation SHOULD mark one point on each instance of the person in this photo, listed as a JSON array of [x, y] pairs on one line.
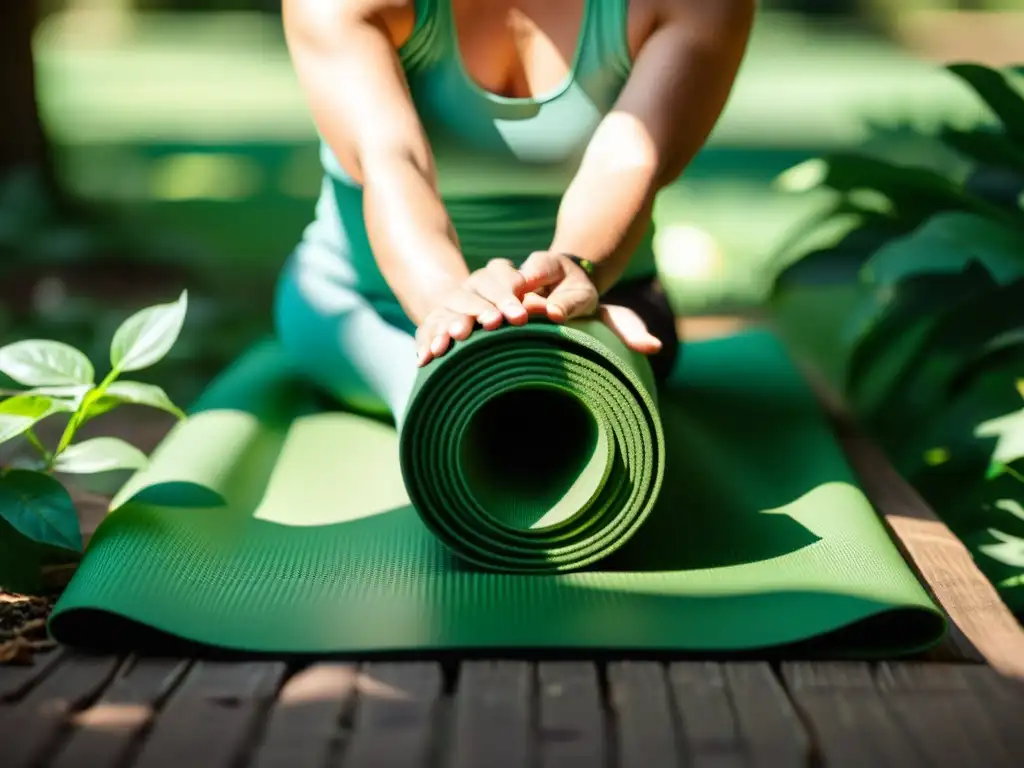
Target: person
[[486, 160]]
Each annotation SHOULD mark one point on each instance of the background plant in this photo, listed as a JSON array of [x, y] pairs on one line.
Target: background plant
[[36, 510], [906, 294]]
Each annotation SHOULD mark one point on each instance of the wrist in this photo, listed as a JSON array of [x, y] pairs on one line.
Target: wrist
[[433, 292], [586, 265]]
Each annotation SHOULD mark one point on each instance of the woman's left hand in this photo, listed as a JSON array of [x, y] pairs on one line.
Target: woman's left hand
[[558, 287]]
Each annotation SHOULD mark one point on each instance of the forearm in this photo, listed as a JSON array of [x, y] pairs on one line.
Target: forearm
[[411, 235], [603, 217], [372, 127], [676, 92]]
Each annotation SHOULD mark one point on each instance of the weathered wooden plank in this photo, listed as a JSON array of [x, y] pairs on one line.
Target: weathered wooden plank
[[1002, 700], [31, 728], [572, 731], [940, 709], [645, 732], [851, 723], [207, 721], [493, 718], [771, 728], [304, 727], [104, 732], [982, 628], [16, 680], [709, 732], [736, 715], [397, 716]]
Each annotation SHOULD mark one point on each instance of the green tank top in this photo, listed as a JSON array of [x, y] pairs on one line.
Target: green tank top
[[503, 163]]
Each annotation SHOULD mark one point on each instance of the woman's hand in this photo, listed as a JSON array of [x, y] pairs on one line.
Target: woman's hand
[[555, 285], [489, 297]]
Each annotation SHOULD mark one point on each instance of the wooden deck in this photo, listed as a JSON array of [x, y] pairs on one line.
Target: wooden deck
[[82, 712], [959, 706]]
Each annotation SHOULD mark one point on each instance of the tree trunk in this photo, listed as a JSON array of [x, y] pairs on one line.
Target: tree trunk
[[22, 142]]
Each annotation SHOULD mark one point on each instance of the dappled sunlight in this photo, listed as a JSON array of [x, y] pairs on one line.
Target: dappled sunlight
[[113, 717], [205, 176], [378, 689], [688, 252], [312, 467]]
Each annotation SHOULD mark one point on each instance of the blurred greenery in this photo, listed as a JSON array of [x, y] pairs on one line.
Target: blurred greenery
[[180, 124], [905, 293]]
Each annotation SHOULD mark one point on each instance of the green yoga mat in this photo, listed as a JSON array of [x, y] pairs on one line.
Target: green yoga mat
[[534, 449], [267, 524]]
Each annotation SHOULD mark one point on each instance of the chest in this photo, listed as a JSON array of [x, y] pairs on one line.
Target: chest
[[508, 93]]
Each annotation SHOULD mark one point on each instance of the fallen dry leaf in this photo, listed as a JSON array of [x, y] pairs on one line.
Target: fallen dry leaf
[[17, 651]]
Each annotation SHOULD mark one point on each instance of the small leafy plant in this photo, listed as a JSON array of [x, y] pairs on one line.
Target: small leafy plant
[[61, 380]]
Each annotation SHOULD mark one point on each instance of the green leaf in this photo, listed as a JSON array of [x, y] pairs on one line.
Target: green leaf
[[43, 363], [914, 191], [19, 414], [1010, 505], [100, 454], [148, 335], [137, 393], [1009, 550], [1009, 433], [39, 508], [999, 95], [984, 146], [947, 243]]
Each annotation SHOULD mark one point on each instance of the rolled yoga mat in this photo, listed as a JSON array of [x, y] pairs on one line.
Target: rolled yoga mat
[[267, 524], [534, 449]]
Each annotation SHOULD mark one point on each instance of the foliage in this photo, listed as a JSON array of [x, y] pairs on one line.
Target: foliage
[[907, 292], [34, 505]]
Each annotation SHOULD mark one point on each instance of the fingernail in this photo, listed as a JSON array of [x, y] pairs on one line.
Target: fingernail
[[436, 346], [489, 318]]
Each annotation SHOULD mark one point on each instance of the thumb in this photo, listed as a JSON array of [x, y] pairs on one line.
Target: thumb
[[540, 270], [627, 325], [575, 296]]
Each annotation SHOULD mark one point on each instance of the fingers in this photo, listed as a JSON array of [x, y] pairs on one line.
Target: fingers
[[454, 321], [501, 284], [462, 309], [627, 325], [575, 296], [468, 303], [535, 304], [540, 270]]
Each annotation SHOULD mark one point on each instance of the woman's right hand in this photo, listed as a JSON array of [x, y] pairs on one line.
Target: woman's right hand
[[489, 296]]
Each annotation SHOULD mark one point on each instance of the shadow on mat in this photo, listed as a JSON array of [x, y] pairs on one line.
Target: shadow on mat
[[752, 476], [884, 633]]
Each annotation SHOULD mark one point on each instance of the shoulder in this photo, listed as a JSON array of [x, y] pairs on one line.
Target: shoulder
[[718, 18], [396, 18]]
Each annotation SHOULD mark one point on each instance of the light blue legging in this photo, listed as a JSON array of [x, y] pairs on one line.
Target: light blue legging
[[359, 345], [360, 351]]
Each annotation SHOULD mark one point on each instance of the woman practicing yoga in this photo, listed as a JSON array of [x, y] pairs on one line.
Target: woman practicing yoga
[[488, 159]]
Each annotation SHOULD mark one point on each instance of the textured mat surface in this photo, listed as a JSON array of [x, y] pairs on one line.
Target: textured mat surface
[[266, 524], [534, 449]]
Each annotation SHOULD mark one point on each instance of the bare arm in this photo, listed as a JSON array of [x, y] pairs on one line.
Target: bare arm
[[346, 61], [676, 92]]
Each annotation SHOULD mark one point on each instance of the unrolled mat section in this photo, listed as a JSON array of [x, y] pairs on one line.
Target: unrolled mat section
[[266, 524]]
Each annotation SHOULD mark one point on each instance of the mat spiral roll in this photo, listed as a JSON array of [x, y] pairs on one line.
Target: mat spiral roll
[[536, 448]]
